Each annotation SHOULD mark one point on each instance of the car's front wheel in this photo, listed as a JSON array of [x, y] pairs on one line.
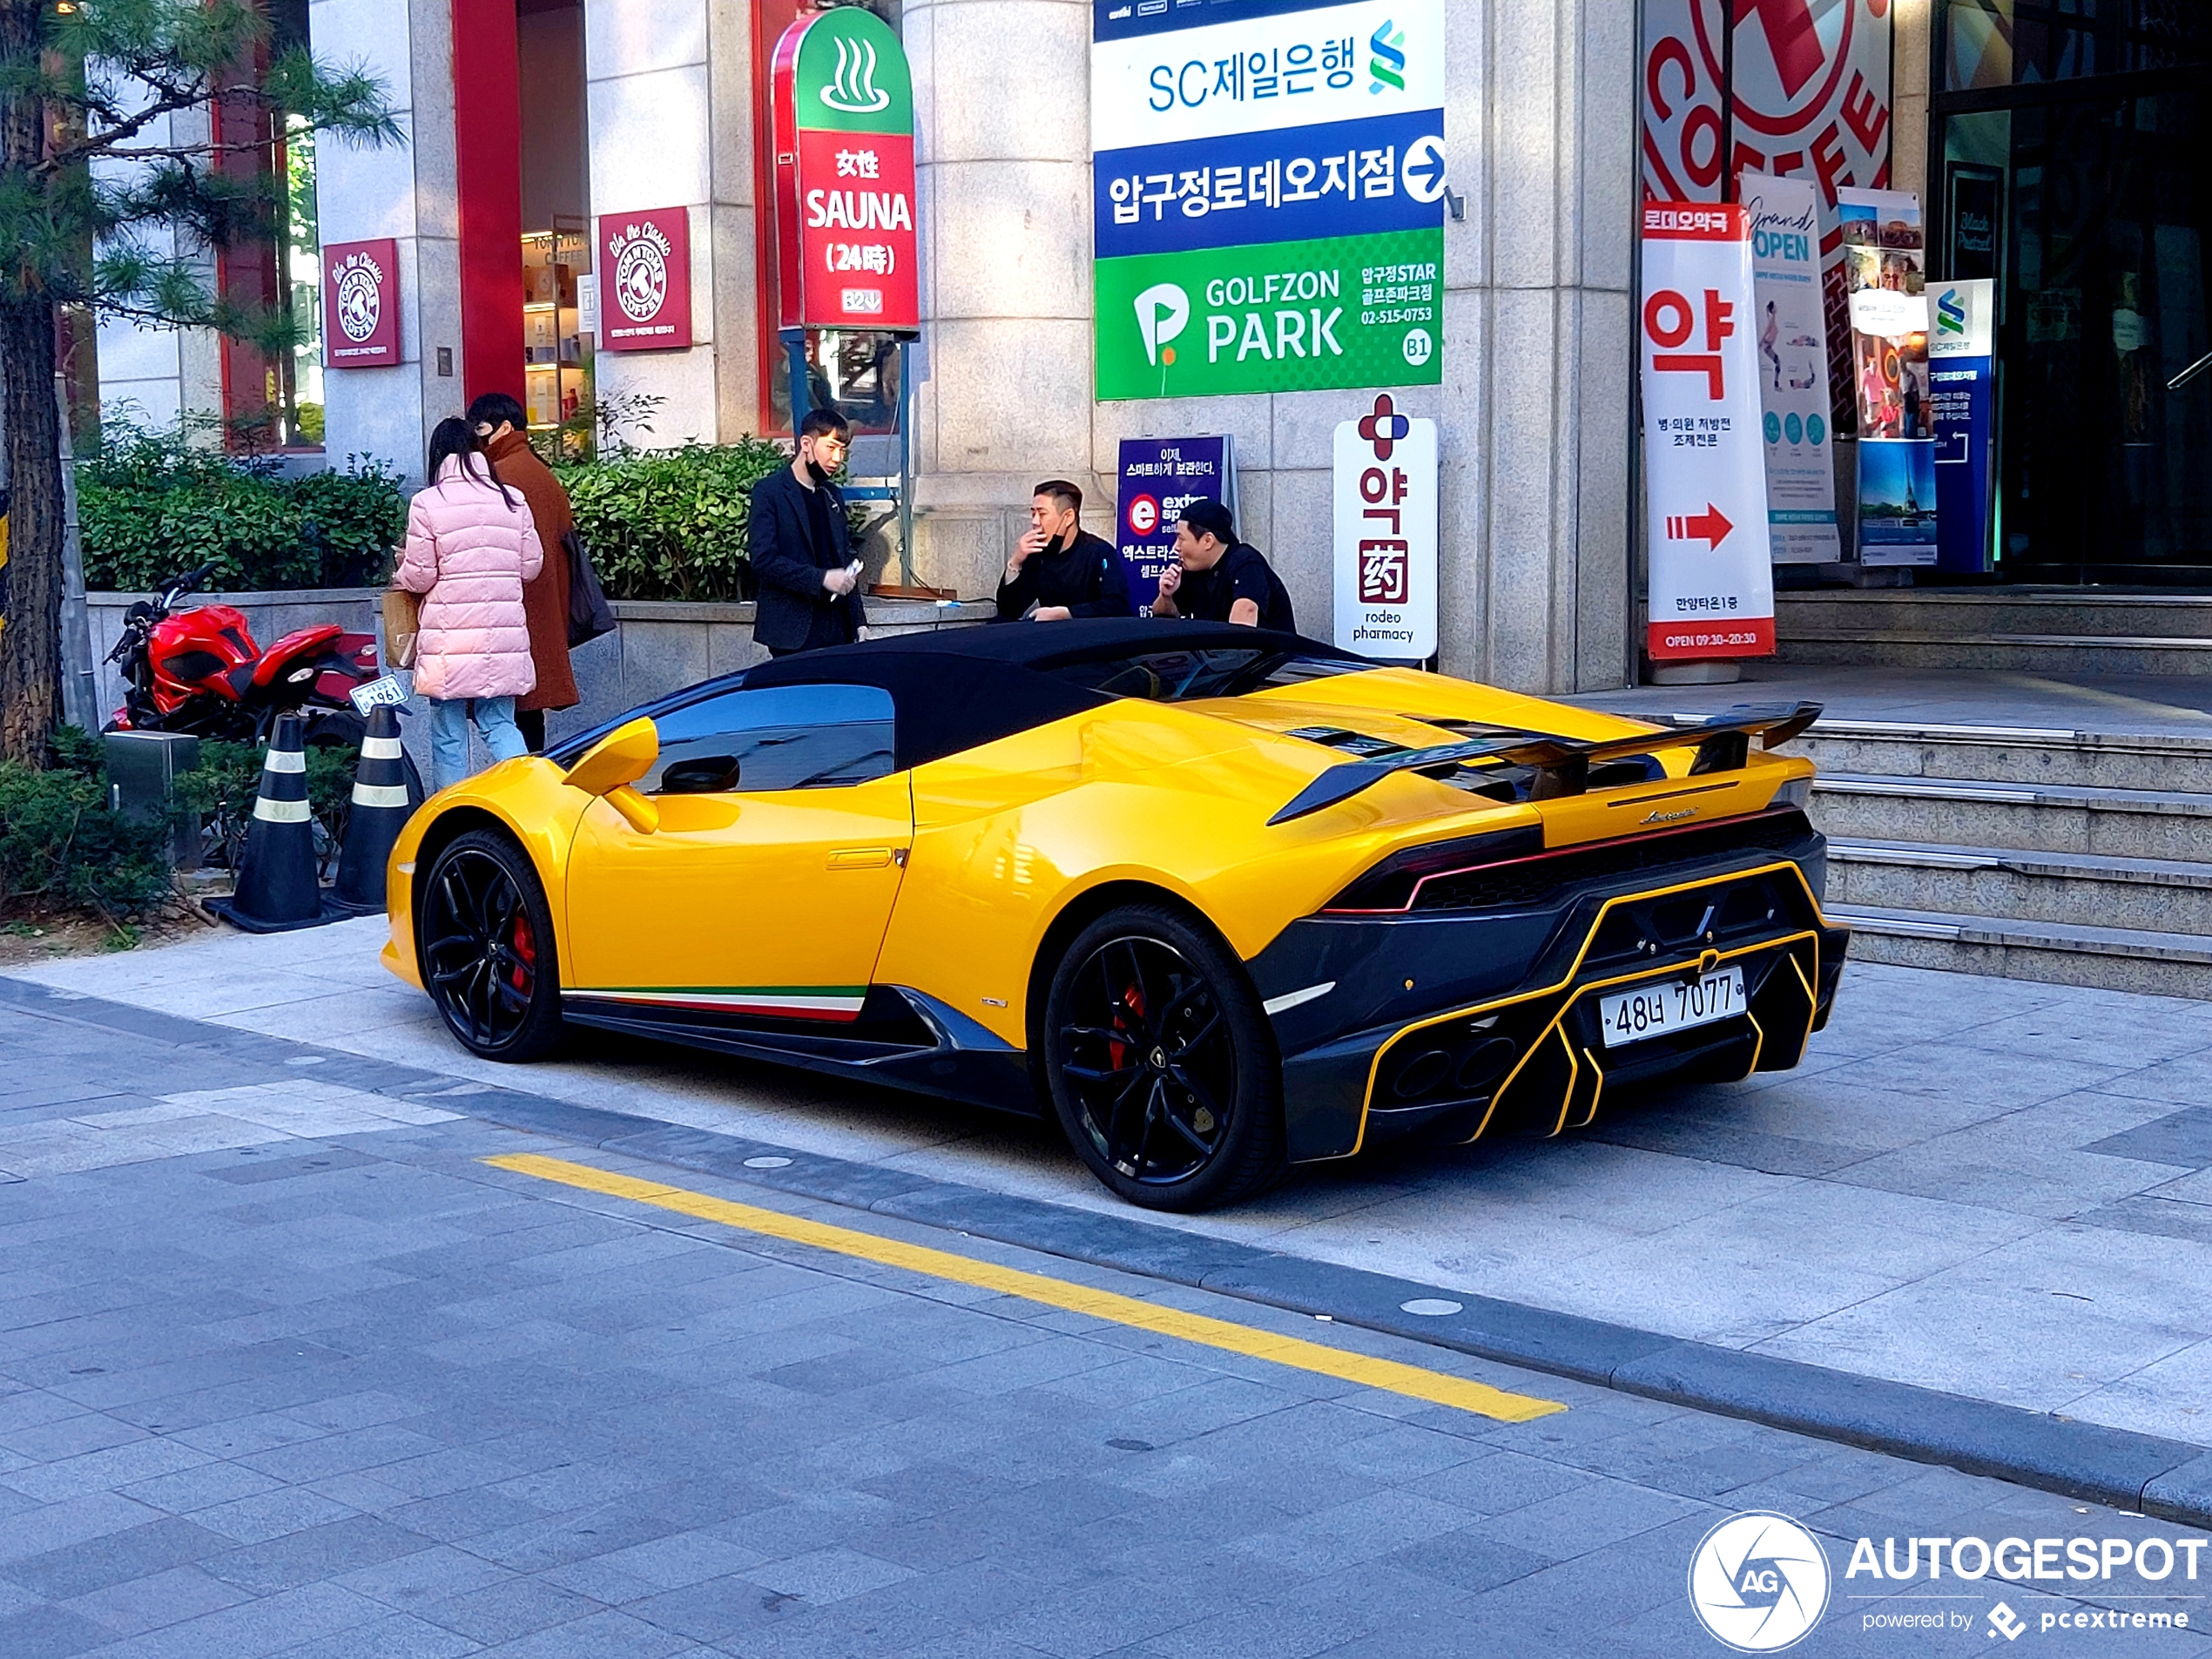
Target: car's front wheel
[[1161, 1063], [486, 947]]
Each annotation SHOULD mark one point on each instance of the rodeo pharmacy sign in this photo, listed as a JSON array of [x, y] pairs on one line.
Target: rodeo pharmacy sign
[[1268, 181]]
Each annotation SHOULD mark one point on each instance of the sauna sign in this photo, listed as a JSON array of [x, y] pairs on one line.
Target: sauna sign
[[847, 250]]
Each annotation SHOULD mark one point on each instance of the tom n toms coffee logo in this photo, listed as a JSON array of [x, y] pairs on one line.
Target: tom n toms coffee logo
[[361, 297], [1759, 1582], [641, 253]]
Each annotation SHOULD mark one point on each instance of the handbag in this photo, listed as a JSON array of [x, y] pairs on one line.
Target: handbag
[[589, 614], [402, 622]]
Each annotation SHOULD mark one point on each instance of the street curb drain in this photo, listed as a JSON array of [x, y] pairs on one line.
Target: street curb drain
[[2171, 1479]]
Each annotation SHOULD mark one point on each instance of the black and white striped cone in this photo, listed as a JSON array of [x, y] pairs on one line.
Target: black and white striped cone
[[380, 813], [277, 887]]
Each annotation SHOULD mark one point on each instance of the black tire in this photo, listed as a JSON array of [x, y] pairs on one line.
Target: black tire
[[483, 941], [1161, 1063]]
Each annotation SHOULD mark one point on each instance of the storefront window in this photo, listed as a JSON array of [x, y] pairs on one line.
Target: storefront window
[[2075, 167]]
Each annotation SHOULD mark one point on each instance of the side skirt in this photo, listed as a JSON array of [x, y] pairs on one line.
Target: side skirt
[[906, 1040]]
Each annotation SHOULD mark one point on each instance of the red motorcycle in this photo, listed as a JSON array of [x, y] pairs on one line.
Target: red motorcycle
[[198, 670]]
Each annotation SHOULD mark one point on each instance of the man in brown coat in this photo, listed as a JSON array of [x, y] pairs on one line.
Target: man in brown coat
[[499, 421]]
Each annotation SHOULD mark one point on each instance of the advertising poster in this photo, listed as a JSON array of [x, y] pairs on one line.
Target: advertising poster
[[845, 175], [1159, 478], [1711, 580], [1962, 364], [646, 292], [1268, 197], [1793, 369], [1811, 101], [360, 297], [1884, 266], [1385, 535]]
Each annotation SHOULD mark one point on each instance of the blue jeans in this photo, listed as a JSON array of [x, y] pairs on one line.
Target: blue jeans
[[449, 734]]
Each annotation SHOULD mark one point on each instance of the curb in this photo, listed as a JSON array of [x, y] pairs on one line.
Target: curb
[[2171, 1479]]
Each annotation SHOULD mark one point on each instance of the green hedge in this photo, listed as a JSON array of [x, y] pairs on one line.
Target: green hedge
[[61, 849], [670, 523], [154, 503]]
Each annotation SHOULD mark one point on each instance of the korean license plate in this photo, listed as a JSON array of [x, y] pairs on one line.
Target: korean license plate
[[1653, 1010], [388, 693]]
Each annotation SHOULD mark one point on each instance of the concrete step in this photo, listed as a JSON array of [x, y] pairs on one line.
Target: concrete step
[[2011, 754], [1951, 612], [2032, 818], [2119, 959], [2129, 656], [2068, 889]]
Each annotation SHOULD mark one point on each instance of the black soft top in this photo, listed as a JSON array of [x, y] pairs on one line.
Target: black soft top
[[958, 688]]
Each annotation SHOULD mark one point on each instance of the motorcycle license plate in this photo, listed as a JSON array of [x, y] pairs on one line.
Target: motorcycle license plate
[[388, 693], [1652, 1010]]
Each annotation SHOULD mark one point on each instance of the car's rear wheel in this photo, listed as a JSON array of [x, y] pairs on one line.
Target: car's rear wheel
[[1161, 1063], [486, 948]]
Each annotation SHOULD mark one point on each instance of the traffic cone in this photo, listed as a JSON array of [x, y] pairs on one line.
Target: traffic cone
[[277, 889], [381, 812]]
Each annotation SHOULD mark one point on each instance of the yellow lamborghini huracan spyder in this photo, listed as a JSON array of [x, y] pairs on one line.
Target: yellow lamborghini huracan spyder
[[1219, 900]]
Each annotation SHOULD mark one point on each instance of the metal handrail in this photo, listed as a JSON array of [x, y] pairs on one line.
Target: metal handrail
[[2190, 372]]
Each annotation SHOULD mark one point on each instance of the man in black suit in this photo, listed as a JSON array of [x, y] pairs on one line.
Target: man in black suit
[[802, 549], [1060, 569]]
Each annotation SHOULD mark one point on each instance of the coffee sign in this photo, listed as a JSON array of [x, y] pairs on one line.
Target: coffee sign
[[361, 304], [645, 280], [845, 175]]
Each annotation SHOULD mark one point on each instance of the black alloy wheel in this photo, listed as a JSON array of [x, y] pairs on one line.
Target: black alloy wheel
[[1162, 1066], [484, 940]]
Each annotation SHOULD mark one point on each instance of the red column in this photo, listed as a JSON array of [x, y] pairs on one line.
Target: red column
[[487, 141]]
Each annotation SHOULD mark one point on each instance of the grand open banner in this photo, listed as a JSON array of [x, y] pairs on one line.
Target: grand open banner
[[1268, 197], [1711, 581]]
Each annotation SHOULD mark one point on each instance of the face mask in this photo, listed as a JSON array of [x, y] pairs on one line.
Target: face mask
[[814, 468]]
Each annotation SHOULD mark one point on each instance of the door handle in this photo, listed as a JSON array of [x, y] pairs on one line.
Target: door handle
[[860, 858]]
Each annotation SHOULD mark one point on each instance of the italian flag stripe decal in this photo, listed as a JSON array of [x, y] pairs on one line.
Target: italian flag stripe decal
[[785, 1001]]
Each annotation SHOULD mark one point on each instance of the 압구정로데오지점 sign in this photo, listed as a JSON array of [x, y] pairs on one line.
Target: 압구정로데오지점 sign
[[1268, 197]]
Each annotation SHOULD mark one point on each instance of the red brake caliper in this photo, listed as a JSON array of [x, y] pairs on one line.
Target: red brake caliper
[[1132, 1002], [525, 950]]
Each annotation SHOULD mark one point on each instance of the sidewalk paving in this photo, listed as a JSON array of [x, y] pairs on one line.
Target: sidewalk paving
[[330, 1388], [1996, 1189]]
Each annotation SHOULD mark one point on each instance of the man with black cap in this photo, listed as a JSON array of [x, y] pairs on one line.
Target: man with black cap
[[1219, 578], [1060, 569]]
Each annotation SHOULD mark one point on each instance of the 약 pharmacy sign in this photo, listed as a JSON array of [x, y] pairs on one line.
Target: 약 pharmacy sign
[[1385, 535], [1267, 197], [845, 175]]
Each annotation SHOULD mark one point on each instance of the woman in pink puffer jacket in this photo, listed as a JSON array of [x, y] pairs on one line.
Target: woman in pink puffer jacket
[[471, 544]]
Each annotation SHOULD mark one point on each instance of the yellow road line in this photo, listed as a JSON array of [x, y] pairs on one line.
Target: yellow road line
[[1436, 1387]]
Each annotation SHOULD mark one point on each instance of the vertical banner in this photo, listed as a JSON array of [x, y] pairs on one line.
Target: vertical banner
[[645, 280], [1962, 372], [1711, 580], [1386, 534], [1811, 101], [1267, 197], [1793, 369], [844, 124], [361, 304], [1159, 478], [1884, 256]]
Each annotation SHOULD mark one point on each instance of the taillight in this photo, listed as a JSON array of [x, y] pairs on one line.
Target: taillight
[[1390, 884]]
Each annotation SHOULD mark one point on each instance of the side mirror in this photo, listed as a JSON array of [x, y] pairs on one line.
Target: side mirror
[[700, 775], [615, 762]]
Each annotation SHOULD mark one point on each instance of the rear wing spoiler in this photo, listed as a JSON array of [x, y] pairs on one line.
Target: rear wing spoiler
[[1562, 764]]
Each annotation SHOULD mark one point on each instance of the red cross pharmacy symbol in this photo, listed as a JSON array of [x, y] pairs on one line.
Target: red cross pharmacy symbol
[[1384, 426]]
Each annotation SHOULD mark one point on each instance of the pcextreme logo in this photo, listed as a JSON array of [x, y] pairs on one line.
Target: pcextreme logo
[[1758, 1582]]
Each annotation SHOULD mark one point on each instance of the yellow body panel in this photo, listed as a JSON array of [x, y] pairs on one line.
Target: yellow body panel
[[794, 889]]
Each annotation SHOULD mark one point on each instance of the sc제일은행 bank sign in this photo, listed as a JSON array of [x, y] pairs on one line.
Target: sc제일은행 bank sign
[[1268, 196]]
